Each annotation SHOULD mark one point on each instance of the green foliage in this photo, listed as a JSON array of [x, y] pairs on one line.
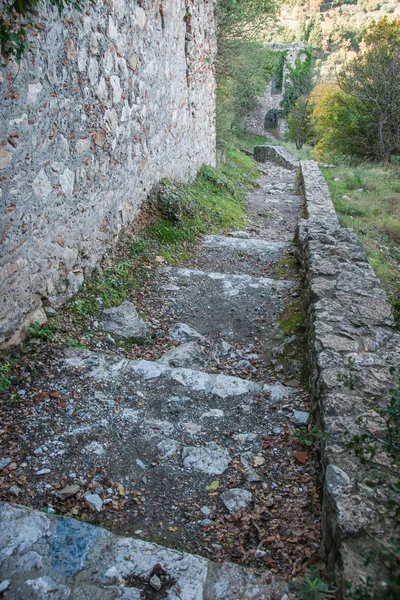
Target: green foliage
[[16, 15], [374, 214], [300, 81], [309, 438], [243, 68], [36, 330], [361, 117], [5, 373], [313, 588], [243, 18]]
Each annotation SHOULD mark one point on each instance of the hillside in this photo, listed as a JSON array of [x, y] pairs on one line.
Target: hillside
[[334, 29]]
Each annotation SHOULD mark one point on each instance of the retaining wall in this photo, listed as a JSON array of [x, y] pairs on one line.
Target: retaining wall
[[352, 344], [348, 318], [103, 105]]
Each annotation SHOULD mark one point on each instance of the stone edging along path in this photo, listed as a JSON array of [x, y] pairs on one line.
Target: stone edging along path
[[352, 343]]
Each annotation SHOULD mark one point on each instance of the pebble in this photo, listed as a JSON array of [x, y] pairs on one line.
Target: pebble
[[4, 585], [94, 501], [205, 522], [155, 582], [205, 510], [259, 554], [15, 490], [4, 462], [235, 499], [300, 418], [43, 472], [68, 492]]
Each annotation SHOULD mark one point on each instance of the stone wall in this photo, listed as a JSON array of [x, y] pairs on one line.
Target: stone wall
[[348, 318], [103, 105], [254, 121], [276, 154]]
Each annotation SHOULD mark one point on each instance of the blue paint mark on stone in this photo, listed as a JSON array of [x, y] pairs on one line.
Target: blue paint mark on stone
[[71, 544]]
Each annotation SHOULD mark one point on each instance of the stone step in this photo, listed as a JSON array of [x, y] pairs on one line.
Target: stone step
[[245, 245], [44, 556], [166, 435], [236, 308]]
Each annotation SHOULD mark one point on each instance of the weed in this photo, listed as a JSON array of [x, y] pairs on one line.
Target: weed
[[313, 588], [309, 438], [43, 332], [5, 373]]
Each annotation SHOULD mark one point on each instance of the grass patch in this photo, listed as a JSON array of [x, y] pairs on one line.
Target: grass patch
[[5, 374], [367, 199], [213, 203]]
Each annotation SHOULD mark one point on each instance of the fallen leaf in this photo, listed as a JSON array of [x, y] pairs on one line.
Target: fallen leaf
[[301, 457], [120, 489], [172, 528], [159, 259], [213, 485], [258, 461]]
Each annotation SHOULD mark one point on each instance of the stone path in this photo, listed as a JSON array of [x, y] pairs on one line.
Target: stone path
[[194, 451]]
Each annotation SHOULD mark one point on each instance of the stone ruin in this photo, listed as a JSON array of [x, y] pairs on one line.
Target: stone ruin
[[264, 116]]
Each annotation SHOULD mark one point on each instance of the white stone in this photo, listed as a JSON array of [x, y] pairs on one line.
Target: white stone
[[116, 88], [41, 185], [182, 332], [140, 17], [124, 321], [67, 180], [236, 499], [188, 355], [95, 448], [82, 145], [213, 412], [300, 418], [168, 448], [213, 459], [102, 90], [94, 501], [34, 90], [43, 472], [93, 71]]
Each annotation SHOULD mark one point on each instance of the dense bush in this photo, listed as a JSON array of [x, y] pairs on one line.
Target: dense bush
[[360, 116]]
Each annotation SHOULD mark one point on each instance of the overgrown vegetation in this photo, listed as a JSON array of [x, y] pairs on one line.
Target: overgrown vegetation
[[357, 116], [213, 203], [243, 64]]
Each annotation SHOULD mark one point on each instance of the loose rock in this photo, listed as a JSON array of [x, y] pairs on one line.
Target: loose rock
[[94, 502], [123, 320], [235, 499], [189, 355]]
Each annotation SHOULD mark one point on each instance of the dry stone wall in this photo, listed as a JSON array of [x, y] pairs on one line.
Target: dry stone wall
[[103, 105], [353, 343]]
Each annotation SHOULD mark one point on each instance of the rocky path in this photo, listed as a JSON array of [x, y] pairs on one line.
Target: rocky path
[[194, 448]]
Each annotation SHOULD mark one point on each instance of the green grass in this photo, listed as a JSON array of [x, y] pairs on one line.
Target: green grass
[[374, 214], [5, 374], [213, 203]]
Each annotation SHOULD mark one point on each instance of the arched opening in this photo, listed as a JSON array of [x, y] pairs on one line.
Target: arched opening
[[271, 119]]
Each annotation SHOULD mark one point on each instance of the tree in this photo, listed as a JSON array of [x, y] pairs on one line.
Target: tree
[[371, 84], [243, 18], [299, 81], [243, 63]]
